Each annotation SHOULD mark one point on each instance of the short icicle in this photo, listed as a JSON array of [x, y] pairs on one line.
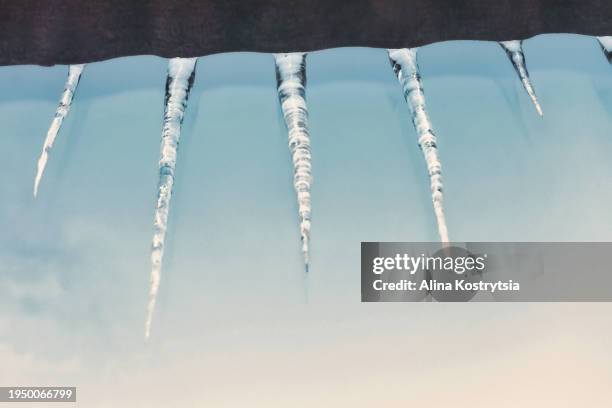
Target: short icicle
[[514, 49], [606, 46], [405, 65], [74, 75], [291, 83], [181, 73]]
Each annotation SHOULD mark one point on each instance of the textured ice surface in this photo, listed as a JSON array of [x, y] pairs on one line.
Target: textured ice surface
[[74, 74], [405, 66], [181, 73], [291, 82], [514, 49]]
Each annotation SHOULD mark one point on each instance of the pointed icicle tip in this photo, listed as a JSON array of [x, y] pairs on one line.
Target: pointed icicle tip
[[405, 65], [291, 86], [514, 50], [306, 256], [181, 73], [74, 75], [606, 46]]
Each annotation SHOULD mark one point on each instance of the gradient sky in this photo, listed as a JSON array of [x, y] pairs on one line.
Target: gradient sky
[[237, 324]]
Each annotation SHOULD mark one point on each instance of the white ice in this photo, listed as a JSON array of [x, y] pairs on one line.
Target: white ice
[[181, 73], [405, 66], [74, 74], [291, 81]]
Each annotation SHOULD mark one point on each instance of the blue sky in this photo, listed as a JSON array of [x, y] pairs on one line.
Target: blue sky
[[236, 323]]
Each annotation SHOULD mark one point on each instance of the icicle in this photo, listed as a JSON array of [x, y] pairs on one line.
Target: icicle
[[606, 46], [74, 74], [291, 82], [514, 49], [405, 66], [181, 73]]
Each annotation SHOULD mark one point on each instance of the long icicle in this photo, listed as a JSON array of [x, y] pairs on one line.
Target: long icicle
[[405, 65], [74, 75], [606, 46], [514, 49], [181, 73], [291, 82]]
